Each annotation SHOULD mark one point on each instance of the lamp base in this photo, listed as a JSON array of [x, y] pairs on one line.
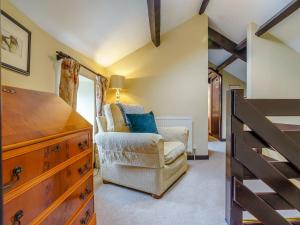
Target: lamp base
[[118, 95]]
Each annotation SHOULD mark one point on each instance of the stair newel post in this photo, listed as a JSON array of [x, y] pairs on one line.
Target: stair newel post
[[233, 212]]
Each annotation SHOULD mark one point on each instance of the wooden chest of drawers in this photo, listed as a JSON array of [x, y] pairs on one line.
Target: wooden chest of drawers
[[47, 161]]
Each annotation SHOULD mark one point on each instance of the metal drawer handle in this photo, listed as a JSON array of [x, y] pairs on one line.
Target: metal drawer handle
[[84, 194], [86, 219], [8, 90], [83, 145], [55, 148], [17, 217], [82, 170], [15, 177]]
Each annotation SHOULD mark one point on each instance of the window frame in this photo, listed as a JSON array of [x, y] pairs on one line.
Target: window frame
[[85, 73]]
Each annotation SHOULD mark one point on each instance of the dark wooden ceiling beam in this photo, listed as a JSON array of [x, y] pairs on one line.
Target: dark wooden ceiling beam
[[213, 45], [203, 6], [281, 15], [221, 40], [226, 44], [241, 47], [226, 63], [154, 20]]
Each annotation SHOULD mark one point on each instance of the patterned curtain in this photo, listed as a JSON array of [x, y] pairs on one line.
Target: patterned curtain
[[101, 88], [69, 81]]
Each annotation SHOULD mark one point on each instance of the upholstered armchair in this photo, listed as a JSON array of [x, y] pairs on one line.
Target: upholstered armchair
[[146, 162]]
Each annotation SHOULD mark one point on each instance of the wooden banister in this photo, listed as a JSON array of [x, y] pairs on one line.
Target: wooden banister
[[248, 132]]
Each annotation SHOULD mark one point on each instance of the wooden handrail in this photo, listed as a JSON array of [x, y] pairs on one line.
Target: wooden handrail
[[245, 159]]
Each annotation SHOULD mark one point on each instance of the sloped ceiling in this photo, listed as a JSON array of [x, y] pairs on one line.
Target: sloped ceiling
[[231, 18], [108, 30], [289, 31], [105, 30], [239, 69], [217, 56]]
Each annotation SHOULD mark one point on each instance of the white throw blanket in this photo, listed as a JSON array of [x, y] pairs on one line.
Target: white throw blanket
[[134, 149]]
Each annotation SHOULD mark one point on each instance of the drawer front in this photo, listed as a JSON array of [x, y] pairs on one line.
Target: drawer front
[[85, 215], [20, 169], [93, 220], [80, 143], [30, 204], [68, 208]]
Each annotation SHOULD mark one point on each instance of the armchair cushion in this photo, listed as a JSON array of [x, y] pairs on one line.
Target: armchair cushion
[[130, 109], [101, 123], [114, 118], [142, 123], [132, 149], [171, 134], [173, 150]]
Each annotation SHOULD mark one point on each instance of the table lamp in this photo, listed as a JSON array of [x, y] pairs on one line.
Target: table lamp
[[117, 82]]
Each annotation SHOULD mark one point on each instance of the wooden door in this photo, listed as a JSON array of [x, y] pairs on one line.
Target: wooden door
[[216, 106]]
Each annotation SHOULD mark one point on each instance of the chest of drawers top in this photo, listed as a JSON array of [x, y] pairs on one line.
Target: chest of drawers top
[[30, 117]]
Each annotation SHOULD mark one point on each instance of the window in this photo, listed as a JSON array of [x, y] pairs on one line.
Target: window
[[86, 99]]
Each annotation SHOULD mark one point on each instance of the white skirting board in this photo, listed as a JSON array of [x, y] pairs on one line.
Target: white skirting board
[[169, 121]]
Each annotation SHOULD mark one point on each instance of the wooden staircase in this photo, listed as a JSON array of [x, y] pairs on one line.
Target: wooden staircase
[[248, 132]]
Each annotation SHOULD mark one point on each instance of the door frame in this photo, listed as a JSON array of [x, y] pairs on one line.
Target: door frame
[[212, 74], [1, 182]]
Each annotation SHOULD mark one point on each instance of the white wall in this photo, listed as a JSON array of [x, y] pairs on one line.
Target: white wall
[[273, 69], [171, 80]]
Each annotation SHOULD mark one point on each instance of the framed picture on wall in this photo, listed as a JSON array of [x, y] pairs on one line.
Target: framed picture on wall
[[15, 45]]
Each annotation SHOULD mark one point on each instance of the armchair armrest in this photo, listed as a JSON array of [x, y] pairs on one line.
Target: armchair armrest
[[174, 134], [131, 149]]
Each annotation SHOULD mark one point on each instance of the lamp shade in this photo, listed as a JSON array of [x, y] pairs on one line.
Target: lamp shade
[[117, 81]]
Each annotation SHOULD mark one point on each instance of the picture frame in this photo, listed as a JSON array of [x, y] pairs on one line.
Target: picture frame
[[15, 45]]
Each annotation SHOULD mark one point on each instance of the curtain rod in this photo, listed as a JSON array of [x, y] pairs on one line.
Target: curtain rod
[[61, 55]]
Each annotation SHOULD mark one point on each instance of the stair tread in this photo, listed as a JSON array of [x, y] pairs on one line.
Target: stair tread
[[294, 221]]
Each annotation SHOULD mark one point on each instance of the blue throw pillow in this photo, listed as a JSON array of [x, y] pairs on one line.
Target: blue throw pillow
[[142, 123]]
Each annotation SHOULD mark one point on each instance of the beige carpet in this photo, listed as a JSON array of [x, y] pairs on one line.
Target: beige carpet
[[196, 199]]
